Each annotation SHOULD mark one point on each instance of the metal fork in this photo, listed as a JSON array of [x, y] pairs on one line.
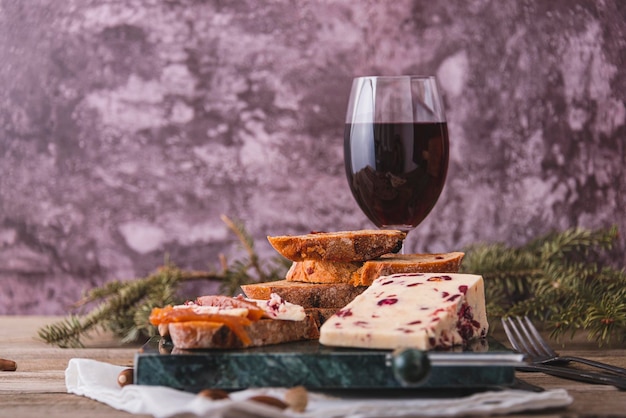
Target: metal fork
[[525, 338], [521, 345]]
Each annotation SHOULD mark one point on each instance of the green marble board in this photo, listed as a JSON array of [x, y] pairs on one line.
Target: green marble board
[[310, 364]]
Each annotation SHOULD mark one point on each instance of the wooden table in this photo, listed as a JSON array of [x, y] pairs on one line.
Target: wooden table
[[37, 388]]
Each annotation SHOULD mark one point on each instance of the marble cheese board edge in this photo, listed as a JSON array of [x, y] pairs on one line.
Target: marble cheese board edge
[[318, 367]]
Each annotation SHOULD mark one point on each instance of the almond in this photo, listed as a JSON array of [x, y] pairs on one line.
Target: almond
[[125, 377], [297, 398], [269, 400], [7, 365], [214, 394]]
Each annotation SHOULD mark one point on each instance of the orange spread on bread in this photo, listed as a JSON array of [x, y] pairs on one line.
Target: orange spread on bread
[[170, 314]]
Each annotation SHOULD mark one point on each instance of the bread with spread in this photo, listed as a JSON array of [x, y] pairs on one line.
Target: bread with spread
[[219, 322]]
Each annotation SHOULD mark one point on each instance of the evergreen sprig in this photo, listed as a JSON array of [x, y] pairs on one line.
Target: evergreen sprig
[[123, 307], [559, 279]]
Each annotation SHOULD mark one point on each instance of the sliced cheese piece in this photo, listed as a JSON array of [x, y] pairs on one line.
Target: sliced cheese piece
[[203, 310], [278, 308], [418, 310]]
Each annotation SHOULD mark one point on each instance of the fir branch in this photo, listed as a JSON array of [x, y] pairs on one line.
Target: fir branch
[[124, 306], [248, 244], [116, 313], [558, 279]]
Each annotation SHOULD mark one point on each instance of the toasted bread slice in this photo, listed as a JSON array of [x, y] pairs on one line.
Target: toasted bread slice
[[344, 246], [407, 263], [315, 271], [193, 335], [307, 295], [363, 274], [320, 315]]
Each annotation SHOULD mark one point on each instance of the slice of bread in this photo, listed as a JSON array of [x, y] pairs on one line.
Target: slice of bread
[[407, 263], [363, 274], [320, 315], [315, 271], [307, 295], [343, 246], [193, 335]]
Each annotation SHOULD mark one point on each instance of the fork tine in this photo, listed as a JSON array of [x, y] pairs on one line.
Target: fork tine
[[527, 340], [549, 351], [514, 336], [510, 335], [534, 350]]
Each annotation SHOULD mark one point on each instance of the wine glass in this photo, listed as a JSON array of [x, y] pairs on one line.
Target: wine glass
[[396, 148]]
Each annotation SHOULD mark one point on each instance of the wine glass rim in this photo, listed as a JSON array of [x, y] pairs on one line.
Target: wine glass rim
[[409, 76]]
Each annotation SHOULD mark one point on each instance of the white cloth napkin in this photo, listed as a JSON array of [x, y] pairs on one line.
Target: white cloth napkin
[[98, 381]]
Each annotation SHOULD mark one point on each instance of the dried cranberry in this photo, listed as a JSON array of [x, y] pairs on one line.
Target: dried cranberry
[[415, 322], [453, 298], [387, 301], [342, 313], [463, 289], [465, 312], [445, 294], [466, 331], [386, 283], [413, 284]]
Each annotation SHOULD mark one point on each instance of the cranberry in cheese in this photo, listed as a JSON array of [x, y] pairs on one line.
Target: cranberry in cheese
[[418, 310]]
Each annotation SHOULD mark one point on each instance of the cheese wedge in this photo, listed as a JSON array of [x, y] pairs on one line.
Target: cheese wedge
[[418, 310]]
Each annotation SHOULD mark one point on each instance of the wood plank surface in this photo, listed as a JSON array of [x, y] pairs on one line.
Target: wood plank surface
[[37, 387]]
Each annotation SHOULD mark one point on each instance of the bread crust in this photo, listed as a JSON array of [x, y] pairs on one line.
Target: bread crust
[[320, 315], [407, 263], [193, 335], [363, 274], [307, 295], [342, 246]]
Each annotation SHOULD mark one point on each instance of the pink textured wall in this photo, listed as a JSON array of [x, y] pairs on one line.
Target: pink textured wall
[[127, 128]]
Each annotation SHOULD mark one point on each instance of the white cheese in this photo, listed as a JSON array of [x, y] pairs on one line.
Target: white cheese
[[419, 310], [204, 310], [278, 308]]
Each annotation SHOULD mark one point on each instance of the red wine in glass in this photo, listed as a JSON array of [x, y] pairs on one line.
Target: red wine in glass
[[396, 158]]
